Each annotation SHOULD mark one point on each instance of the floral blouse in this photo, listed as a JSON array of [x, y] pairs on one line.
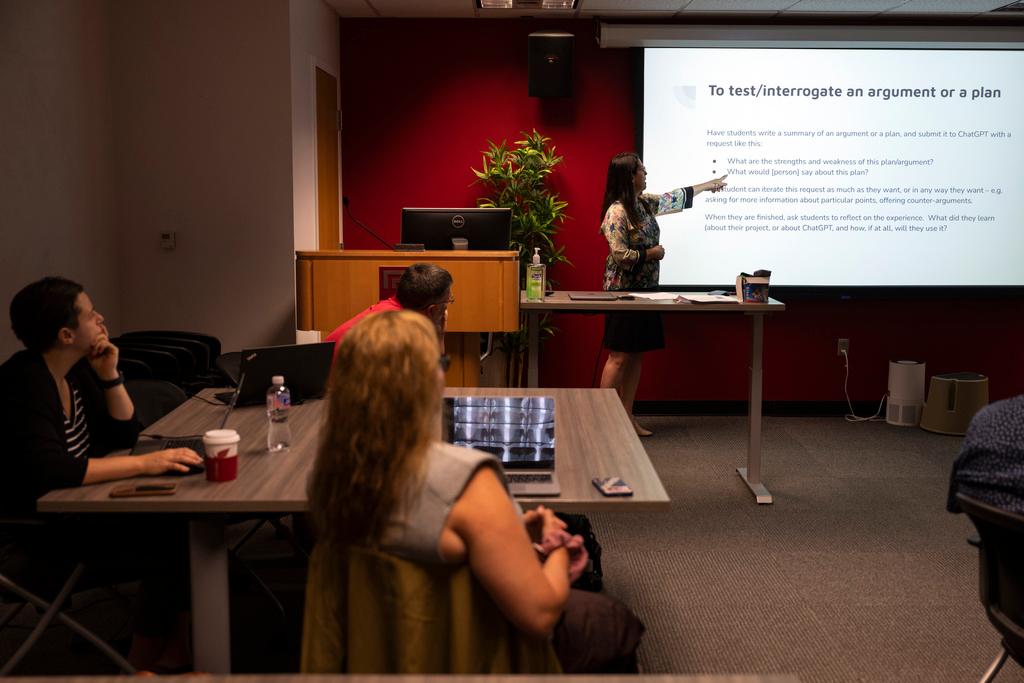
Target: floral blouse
[[627, 266]]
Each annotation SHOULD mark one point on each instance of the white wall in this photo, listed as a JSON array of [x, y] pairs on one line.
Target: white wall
[[203, 148], [56, 178], [314, 43], [122, 119]]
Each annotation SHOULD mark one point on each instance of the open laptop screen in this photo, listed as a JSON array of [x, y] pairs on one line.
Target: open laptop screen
[[519, 430]]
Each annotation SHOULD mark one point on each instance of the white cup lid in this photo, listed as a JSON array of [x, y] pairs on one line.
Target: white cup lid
[[221, 436]]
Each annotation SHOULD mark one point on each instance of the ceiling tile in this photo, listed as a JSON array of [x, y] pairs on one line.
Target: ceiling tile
[[738, 5], [418, 8], [950, 6], [352, 8], [634, 14], [631, 6], [845, 7]]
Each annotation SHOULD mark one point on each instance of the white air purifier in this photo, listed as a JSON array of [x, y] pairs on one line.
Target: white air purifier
[[906, 393]]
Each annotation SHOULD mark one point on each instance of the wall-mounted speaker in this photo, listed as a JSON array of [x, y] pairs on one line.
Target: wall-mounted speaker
[[550, 65]]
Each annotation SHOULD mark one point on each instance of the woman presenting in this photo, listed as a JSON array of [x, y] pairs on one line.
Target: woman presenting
[[634, 251]]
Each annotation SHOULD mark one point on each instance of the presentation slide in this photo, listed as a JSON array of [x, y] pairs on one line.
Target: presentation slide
[[847, 167]]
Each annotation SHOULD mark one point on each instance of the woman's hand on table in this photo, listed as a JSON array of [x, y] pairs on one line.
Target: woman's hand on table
[[169, 460]]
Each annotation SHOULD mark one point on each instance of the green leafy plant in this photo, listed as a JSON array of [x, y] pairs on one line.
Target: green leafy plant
[[517, 177]]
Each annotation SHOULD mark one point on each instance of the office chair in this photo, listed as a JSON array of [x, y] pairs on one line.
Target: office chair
[[162, 364], [230, 364], [18, 571], [132, 368], [200, 352], [153, 398], [204, 348], [372, 612], [186, 361], [210, 342], [1001, 574]]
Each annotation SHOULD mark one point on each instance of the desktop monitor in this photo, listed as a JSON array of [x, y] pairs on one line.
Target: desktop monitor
[[483, 229]]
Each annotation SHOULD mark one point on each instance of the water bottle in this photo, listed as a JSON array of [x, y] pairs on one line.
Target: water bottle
[[279, 400]]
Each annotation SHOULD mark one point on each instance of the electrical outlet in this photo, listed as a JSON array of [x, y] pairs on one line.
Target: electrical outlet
[[843, 347]]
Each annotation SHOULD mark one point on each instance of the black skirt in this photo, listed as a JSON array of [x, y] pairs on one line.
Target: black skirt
[[633, 332]]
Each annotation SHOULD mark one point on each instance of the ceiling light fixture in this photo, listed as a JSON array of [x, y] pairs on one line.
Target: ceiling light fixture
[[527, 4]]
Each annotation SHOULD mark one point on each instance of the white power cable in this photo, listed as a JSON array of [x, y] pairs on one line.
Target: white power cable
[[852, 416]]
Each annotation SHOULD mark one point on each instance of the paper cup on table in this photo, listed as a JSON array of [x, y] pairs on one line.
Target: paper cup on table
[[221, 457]]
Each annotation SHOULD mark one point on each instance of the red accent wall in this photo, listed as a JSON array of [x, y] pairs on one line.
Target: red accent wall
[[420, 99]]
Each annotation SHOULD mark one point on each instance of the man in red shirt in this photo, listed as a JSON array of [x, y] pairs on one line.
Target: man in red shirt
[[424, 287]]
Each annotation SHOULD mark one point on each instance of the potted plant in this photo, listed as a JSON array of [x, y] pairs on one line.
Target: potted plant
[[517, 177]]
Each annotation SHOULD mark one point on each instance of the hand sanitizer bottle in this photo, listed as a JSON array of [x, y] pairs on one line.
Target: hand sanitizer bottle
[[536, 278]]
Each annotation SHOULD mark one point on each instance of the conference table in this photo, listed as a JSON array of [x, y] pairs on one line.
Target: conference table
[[593, 438], [564, 302], [442, 678]]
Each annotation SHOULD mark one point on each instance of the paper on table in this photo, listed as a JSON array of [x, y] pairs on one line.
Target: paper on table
[[709, 298], [655, 296]]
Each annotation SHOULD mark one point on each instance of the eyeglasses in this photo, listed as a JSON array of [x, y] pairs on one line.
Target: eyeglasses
[[445, 361], [446, 302]]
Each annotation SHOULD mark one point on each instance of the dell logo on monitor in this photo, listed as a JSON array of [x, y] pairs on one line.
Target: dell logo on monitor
[[458, 220]]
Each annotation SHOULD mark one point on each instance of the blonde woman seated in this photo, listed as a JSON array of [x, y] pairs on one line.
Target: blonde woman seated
[[383, 480]]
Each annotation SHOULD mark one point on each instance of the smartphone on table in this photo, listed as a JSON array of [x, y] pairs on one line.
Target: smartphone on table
[[612, 486], [134, 490]]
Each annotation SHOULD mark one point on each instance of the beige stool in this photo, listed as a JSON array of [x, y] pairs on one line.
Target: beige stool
[[953, 399]]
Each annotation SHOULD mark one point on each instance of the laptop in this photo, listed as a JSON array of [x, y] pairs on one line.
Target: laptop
[[305, 368], [518, 430], [592, 296], [195, 442]]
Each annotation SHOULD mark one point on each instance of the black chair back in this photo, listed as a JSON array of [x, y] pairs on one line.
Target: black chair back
[[1001, 570], [230, 364], [133, 369], [200, 352], [211, 342], [163, 364], [153, 398], [186, 361]]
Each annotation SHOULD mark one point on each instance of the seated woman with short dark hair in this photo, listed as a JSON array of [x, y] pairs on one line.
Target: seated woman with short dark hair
[[63, 408], [383, 480]]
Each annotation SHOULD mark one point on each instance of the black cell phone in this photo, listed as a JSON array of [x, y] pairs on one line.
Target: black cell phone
[[611, 486]]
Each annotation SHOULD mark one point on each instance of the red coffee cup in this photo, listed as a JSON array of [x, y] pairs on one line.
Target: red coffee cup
[[221, 457]]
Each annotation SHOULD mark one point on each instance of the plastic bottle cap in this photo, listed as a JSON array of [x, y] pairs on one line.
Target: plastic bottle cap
[[536, 256], [277, 380]]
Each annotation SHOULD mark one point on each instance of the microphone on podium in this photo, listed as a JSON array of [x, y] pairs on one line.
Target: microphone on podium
[[344, 202]]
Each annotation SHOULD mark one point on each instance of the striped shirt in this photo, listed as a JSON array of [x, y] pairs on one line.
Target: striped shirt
[[76, 429]]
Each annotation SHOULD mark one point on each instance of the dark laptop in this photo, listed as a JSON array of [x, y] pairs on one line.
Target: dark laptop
[[195, 442], [518, 430], [305, 368]]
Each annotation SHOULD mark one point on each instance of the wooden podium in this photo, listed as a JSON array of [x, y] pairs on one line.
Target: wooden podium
[[333, 286]]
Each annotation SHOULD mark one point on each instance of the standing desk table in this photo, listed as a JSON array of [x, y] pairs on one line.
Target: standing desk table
[[561, 302], [593, 438]]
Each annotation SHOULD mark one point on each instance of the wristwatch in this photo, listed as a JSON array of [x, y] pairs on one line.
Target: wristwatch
[[111, 383]]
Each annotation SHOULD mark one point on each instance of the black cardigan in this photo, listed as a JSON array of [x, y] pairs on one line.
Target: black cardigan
[[34, 456]]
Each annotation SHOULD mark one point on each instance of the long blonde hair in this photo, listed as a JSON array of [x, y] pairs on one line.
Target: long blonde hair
[[382, 405]]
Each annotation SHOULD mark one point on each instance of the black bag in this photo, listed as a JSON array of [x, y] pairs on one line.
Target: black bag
[[591, 578]]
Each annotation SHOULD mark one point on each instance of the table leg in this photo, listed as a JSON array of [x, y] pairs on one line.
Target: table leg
[[533, 348], [752, 472], [211, 621]]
